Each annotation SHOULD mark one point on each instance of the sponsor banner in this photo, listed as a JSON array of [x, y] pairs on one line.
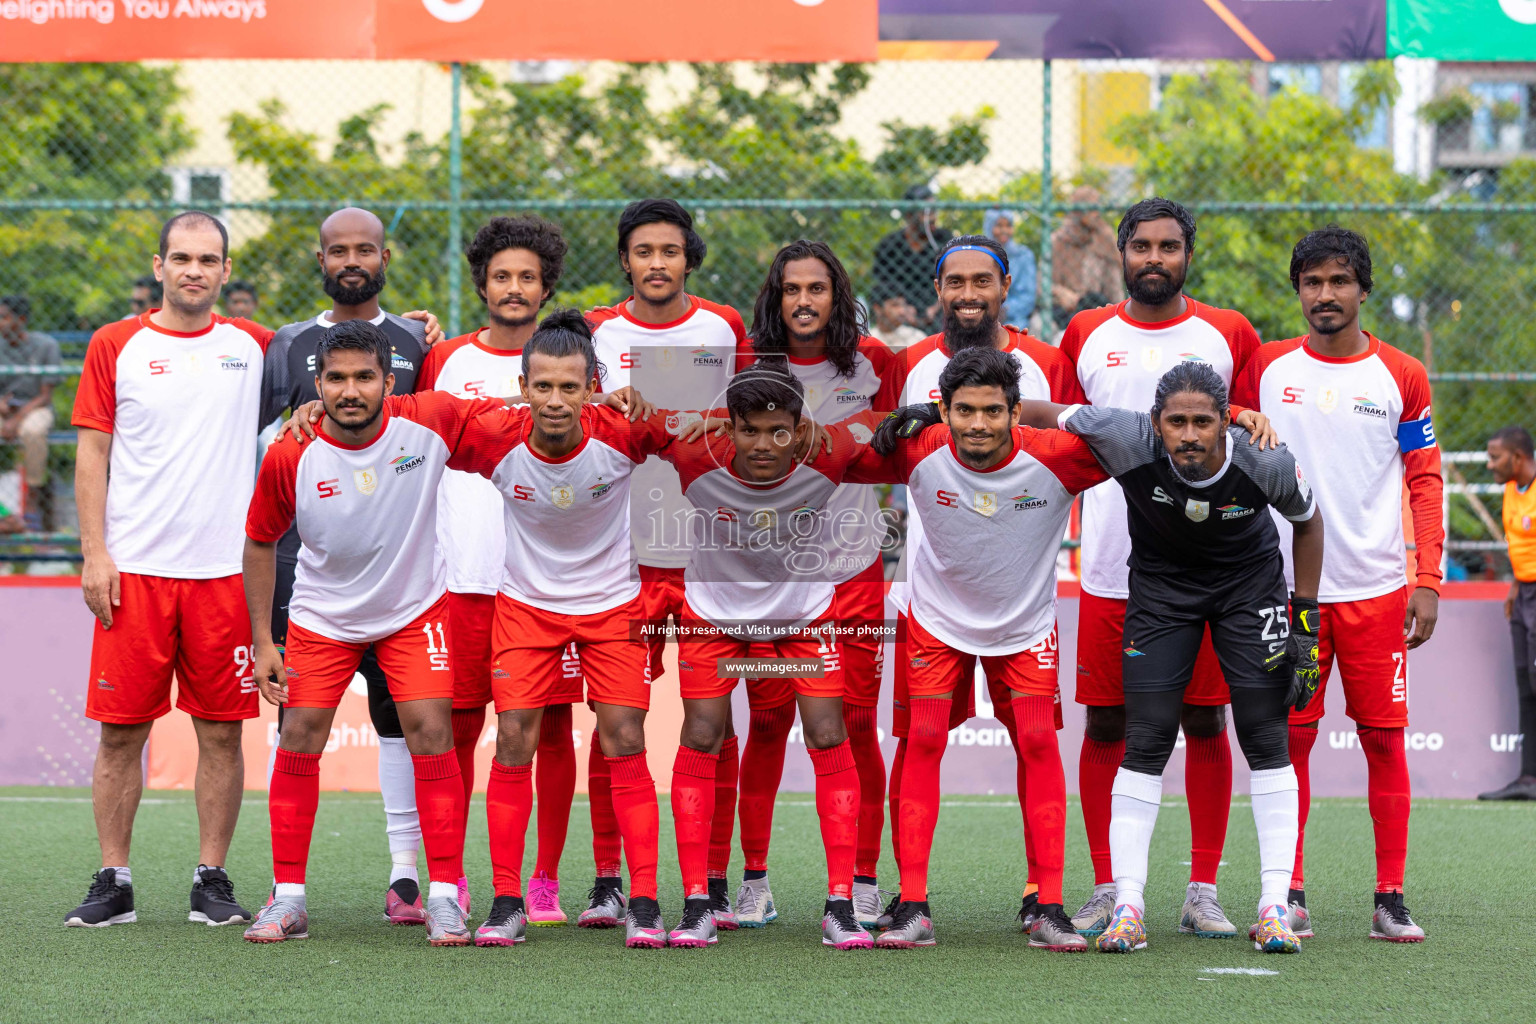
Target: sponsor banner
[[1266, 30], [444, 30], [1462, 29], [1462, 739]]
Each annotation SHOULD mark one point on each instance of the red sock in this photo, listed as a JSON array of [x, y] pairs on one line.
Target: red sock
[[762, 766], [508, 804], [605, 826], [1005, 714], [554, 781], [927, 735], [1045, 799], [292, 799], [893, 796], [1096, 768], [1390, 799], [440, 805], [468, 724], [870, 763], [837, 805], [1208, 787], [693, 807], [1301, 739], [634, 804], [727, 775]]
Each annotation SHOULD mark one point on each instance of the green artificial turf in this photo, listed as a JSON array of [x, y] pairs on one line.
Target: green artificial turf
[[1469, 881]]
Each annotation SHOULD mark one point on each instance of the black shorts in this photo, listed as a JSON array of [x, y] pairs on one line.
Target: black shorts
[[1166, 616]]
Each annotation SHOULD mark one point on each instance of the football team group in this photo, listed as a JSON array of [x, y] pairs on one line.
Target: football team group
[[526, 515]]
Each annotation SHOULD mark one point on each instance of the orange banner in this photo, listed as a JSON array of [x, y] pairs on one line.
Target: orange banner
[[444, 30]]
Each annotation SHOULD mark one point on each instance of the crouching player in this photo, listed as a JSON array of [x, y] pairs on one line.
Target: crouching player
[[364, 497]]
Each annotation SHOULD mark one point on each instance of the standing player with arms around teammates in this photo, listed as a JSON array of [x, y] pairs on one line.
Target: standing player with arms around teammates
[[972, 282], [679, 350], [760, 583], [515, 263], [1205, 556], [353, 259], [997, 497], [808, 321], [364, 497], [1355, 411], [167, 408], [1120, 352]]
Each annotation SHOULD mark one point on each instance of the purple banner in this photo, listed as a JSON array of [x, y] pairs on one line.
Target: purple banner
[[1286, 30]]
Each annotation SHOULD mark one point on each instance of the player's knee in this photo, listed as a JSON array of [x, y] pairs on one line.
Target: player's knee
[[701, 732], [622, 732], [1265, 744], [303, 734], [517, 737], [822, 732], [1203, 721], [430, 737], [123, 739], [1105, 724]]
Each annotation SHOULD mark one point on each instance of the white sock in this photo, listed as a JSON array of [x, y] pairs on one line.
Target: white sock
[[1133, 804], [124, 875], [289, 891], [197, 872], [443, 890], [1276, 814], [397, 785]]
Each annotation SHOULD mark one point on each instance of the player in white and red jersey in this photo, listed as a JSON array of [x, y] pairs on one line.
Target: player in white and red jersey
[[678, 350], [808, 320], [972, 281], [1356, 412], [364, 497], [515, 264], [997, 497], [167, 406], [759, 581], [1119, 353]]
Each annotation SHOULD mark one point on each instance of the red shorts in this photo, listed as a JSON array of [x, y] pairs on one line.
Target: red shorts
[[859, 606], [1100, 652], [1366, 638], [196, 630], [531, 665], [702, 645], [470, 619], [414, 659], [661, 595], [928, 667]]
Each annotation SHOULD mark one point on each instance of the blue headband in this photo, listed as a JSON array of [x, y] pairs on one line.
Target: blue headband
[[938, 268]]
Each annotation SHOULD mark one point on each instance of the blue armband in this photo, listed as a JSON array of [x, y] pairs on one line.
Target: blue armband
[[1415, 434]]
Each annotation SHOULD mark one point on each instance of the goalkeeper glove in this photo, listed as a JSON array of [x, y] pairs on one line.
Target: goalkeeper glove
[[1300, 653]]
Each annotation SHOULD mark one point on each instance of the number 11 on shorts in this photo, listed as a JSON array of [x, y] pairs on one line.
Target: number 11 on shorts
[[437, 646]]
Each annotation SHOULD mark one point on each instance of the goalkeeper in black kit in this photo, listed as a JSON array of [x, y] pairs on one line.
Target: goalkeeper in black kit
[[1204, 550]]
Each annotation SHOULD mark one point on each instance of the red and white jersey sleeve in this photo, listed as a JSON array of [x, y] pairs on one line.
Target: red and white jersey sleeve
[[470, 526], [182, 410], [1359, 426], [982, 577], [367, 517], [763, 562], [1119, 362], [682, 365]]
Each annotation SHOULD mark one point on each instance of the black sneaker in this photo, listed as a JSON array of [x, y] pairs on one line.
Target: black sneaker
[[1029, 913], [1523, 788], [643, 927], [720, 905], [106, 903], [911, 927], [889, 912], [840, 928], [213, 899], [606, 905], [1052, 930]]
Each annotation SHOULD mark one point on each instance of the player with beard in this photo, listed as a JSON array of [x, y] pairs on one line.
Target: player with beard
[[353, 259], [972, 281], [1356, 412], [808, 321], [1119, 353]]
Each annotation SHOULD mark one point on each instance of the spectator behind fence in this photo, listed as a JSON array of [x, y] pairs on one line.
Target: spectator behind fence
[[905, 258], [890, 318], [147, 294], [1002, 226], [1085, 263], [240, 300], [26, 403], [1513, 464]]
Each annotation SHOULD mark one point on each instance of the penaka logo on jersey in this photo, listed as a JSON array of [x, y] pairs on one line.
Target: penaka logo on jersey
[[844, 395], [233, 363], [406, 463], [704, 357], [1365, 407], [1026, 500], [1234, 511], [600, 488]]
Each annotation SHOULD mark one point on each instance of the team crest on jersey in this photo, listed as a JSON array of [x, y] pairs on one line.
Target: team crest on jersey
[[764, 519], [563, 495], [1152, 358], [366, 480], [984, 502], [666, 357], [194, 364], [812, 396], [1327, 399], [1197, 511]]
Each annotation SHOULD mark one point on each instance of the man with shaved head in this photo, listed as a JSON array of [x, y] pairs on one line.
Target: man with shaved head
[[353, 257]]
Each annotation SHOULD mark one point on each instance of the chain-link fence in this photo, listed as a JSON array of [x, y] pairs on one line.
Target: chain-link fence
[[1432, 165]]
